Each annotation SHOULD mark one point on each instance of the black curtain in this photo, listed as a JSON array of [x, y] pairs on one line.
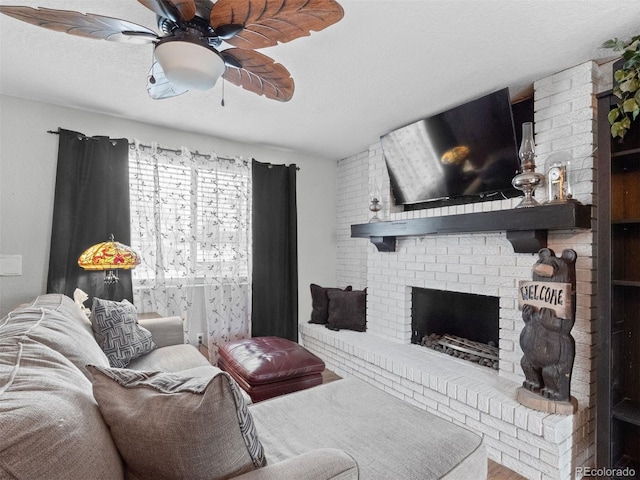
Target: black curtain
[[91, 202], [275, 251]]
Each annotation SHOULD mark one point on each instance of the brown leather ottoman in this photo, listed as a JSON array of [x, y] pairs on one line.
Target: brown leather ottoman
[[266, 367]]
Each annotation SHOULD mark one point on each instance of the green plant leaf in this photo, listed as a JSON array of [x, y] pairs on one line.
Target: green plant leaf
[[614, 113], [615, 44], [632, 61], [618, 129], [625, 122], [629, 105], [615, 130], [630, 85], [625, 86], [617, 92]]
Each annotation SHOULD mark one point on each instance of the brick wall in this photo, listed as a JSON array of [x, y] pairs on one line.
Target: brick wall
[[352, 208], [537, 445]]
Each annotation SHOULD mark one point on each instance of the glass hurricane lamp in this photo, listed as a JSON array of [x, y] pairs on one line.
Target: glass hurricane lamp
[[528, 180], [375, 205]]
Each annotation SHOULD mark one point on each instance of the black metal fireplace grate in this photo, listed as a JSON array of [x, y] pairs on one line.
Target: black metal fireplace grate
[[483, 354]]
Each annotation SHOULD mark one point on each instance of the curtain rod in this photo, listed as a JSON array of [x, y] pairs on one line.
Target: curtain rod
[[173, 150], [163, 149], [160, 149]]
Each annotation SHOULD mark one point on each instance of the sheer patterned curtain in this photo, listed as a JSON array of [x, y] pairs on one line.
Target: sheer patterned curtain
[[190, 223]]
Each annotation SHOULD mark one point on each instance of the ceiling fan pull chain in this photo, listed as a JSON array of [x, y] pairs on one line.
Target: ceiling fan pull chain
[[152, 79]]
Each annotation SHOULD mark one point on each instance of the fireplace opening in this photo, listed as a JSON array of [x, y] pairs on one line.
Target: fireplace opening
[[464, 325]]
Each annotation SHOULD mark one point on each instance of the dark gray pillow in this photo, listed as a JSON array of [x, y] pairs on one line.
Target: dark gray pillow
[[320, 302], [347, 309], [115, 326]]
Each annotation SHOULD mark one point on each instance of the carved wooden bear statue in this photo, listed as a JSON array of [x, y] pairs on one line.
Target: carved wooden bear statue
[[546, 341]]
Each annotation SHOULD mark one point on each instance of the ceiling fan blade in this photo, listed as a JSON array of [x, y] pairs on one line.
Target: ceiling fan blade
[[257, 73], [174, 10], [82, 25], [158, 86], [187, 8], [267, 22], [162, 8]]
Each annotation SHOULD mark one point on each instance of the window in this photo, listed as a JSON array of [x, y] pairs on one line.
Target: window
[[189, 215]]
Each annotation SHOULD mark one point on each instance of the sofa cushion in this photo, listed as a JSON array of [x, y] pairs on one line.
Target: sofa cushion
[[117, 331], [319, 464], [64, 305], [348, 310], [388, 437], [164, 330], [172, 358], [320, 302], [55, 321], [171, 426], [51, 425]]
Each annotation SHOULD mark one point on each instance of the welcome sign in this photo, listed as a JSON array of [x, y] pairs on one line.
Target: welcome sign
[[556, 296]]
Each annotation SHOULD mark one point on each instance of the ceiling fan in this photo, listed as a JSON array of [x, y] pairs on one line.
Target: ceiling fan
[[202, 41]]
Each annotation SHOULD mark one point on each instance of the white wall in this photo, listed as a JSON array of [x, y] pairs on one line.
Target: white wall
[[28, 157]]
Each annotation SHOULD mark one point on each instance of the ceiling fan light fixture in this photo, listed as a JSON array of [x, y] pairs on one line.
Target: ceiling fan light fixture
[[189, 65]]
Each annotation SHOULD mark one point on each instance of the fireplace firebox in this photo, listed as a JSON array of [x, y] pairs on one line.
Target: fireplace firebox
[[464, 325]]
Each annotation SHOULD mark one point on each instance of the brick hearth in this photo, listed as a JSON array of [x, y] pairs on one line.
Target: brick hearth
[[537, 445]]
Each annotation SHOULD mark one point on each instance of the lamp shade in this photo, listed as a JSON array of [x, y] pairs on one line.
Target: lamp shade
[[109, 255], [189, 65]]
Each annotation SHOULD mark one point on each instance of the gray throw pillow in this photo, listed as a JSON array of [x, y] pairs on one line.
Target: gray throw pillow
[[115, 326], [172, 426]]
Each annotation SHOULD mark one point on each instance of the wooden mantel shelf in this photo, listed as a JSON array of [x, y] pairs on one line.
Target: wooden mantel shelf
[[526, 227]]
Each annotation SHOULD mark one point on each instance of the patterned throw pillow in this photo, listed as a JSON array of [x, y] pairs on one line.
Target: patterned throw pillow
[[115, 326], [172, 426]]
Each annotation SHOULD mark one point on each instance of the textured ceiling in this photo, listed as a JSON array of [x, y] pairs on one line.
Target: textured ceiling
[[386, 64]]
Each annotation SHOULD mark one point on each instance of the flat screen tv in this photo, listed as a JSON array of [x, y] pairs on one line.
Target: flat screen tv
[[463, 155]]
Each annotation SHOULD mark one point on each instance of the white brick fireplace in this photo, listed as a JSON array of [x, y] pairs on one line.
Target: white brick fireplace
[[537, 445]]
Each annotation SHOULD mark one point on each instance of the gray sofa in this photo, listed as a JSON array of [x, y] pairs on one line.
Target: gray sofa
[[55, 421]]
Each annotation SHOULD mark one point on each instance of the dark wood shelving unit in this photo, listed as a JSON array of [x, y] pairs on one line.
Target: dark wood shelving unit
[[627, 411], [625, 221], [631, 151], [618, 226], [625, 283], [526, 227]]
